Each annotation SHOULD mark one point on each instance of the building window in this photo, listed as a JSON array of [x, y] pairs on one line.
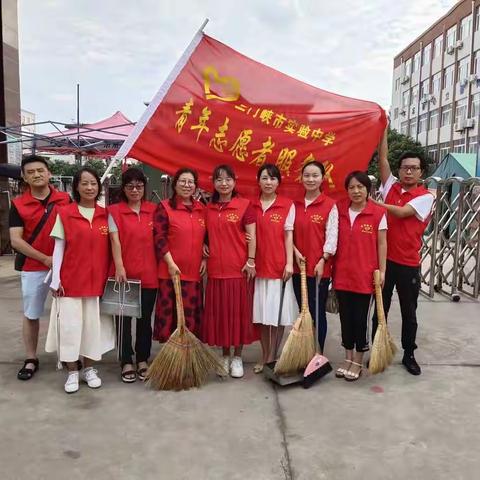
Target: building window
[[448, 74], [416, 62], [424, 89], [404, 128], [474, 105], [459, 145], [413, 127], [427, 54], [437, 83], [446, 112], [432, 152], [473, 144], [433, 123], [476, 62], [397, 84], [395, 113], [405, 99], [414, 95], [444, 150], [438, 46], [451, 37], [465, 27], [460, 110], [462, 66], [408, 67], [422, 123], [477, 18]]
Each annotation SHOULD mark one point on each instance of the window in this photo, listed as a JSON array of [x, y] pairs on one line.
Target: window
[[432, 152], [460, 110], [414, 95], [424, 89], [462, 66], [444, 150], [438, 46], [446, 112], [459, 145], [465, 27], [477, 18], [433, 123], [437, 83], [397, 84], [405, 99], [473, 144], [416, 61], [413, 127], [408, 67], [476, 62], [422, 123], [395, 113], [404, 128], [448, 74], [474, 105], [451, 36], [427, 54]]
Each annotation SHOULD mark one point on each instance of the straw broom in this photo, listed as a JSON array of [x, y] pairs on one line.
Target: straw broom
[[184, 361], [383, 348], [299, 348]]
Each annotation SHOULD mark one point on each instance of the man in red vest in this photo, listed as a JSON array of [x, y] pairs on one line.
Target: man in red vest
[[37, 204], [409, 207]]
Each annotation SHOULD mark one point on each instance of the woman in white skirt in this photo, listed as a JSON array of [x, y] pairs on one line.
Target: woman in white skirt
[[274, 304], [80, 266]]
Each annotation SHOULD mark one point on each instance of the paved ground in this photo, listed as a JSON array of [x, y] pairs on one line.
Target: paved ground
[[389, 426]]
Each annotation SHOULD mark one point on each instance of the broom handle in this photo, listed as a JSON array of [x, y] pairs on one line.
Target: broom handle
[[379, 297], [179, 301], [303, 283]]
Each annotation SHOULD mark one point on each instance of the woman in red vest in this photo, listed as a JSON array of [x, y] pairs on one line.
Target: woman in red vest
[[130, 223], [362, 249], [81, 258], [315, 241], [274, 304], [231, 269], [179, 233]]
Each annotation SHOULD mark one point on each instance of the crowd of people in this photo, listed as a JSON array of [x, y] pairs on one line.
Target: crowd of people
[[249, 252]]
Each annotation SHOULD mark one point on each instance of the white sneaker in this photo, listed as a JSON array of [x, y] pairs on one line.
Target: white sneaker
[[90, 376], [236, 369], [225, 363], [71, 385]]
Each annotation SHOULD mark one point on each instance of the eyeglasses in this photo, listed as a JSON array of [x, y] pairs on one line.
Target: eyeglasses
[[407, 168], [186, 182], [137, 186]]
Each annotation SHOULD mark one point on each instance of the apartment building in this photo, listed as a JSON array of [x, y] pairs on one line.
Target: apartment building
[[436, 84]]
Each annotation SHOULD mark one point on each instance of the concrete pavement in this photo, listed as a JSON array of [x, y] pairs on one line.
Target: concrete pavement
[[389, 426]]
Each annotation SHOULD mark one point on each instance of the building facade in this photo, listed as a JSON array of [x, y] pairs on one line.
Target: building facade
[[436, 84]]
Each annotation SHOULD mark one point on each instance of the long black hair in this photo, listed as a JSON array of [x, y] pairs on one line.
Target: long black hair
[[76, 181], [317, 164], [173, 199], [228, 170]]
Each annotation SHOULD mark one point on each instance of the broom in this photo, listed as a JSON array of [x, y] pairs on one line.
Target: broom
[[299, 348], [383, 347], [184, 361]]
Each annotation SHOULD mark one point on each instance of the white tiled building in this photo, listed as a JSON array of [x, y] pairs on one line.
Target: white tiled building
[[436, 84]]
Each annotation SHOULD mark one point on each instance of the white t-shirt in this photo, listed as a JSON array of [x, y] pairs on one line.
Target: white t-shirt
[[353, 214], [422, 204]]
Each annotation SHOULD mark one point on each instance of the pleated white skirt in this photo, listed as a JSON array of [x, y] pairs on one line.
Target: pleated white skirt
[[81, 330], [266, 302]]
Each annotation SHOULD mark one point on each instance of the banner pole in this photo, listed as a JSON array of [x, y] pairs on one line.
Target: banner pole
[[157, 99]]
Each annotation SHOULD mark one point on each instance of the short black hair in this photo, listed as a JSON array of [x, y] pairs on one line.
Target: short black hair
[[76, 181], [34, 158], [316, 163], [410, 154], [272, 170], [361, 177], [132, 173]]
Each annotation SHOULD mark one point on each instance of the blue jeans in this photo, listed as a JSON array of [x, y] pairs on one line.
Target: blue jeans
[[321, 321]]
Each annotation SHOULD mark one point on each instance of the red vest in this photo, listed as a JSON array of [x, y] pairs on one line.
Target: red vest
[[87, 252], [186, 234], [404, 235], [136, 237], [31, 211], [310, 232], [226, 237], [357, 250], [271, 256]]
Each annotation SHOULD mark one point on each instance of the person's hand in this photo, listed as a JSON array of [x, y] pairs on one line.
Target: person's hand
[[248, 237], [173, 269], [287, 272], [47, 261], [318, 271], [57, 292], [299, 257], [121, 275], [203, 267], [206, 251], [249, 271], [382, 279]]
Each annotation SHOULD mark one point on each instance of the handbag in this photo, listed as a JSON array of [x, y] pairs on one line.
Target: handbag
[[20, 257], [331, 305], [122, 299]]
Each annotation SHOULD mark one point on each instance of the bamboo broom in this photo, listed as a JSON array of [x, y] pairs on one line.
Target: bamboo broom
[[299, 348], [383, 347], [184, 361]]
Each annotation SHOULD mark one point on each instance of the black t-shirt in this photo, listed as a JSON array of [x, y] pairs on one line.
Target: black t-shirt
[[14, 218]]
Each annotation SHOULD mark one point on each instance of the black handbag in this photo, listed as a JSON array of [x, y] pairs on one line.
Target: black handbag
[[19, 256]]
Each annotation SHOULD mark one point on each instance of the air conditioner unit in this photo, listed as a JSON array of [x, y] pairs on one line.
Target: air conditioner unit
[[472, 78], [433, 100], [403, 112], [469, 123], [412, 110], [459, 44], [460, 126], [450, 50], [405, 79], [464, 82]]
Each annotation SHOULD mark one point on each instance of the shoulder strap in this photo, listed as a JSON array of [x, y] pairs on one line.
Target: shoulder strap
[[41, 223]]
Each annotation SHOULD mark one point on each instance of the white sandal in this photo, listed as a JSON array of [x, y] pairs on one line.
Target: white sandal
[[351, 376], [340, 371]]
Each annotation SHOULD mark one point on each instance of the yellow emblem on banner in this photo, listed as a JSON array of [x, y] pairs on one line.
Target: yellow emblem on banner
[[228, 88]]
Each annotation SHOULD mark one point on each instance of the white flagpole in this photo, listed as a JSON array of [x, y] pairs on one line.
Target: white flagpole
[[152, 107]]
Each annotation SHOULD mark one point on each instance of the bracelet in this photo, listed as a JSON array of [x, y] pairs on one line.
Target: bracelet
[[251, 266]]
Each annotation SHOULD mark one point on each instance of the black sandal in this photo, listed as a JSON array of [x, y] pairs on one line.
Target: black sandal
[[27, 373], [129, 376]]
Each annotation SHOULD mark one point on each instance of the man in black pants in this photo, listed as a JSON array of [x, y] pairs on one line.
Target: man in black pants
[[408, 208]]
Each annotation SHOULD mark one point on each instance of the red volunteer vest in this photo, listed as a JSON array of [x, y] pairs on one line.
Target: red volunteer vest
[[270, 258], [87, 252], [136, 237], [309, 233], [357, 250], [404, 235], [226, 237], [186, 234], [31, 211]]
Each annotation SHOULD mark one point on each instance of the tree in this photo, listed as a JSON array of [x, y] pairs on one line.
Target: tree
[[397, 144]]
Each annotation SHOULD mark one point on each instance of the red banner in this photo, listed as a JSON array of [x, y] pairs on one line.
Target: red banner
[[223, 107]]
